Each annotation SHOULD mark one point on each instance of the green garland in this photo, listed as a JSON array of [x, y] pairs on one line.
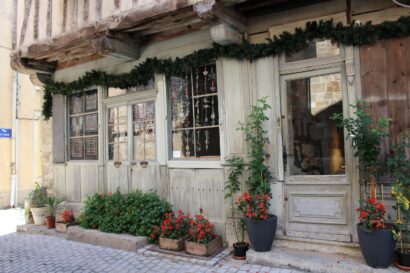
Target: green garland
[[286, 42]]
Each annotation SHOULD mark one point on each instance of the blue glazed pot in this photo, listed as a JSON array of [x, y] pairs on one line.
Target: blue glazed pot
[[262, 232]]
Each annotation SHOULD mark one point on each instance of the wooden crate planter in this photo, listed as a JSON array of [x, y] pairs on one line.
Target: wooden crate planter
[[171, 244], [62, 227], [204, 249]]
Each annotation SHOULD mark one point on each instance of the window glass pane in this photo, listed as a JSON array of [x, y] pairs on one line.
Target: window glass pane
[[144, 131], [316, 49], [317, 146], [83, 125], [195, 118], [118, 133], [113, 92], [91, 148], [77, 148]]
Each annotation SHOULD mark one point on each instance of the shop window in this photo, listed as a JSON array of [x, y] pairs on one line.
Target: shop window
[[194, 111], [83, 125], [144, 133]]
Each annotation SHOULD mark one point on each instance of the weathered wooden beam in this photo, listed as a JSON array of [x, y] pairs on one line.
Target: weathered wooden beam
[[29, 66], [226, 25], [212, 12], [112, 47]]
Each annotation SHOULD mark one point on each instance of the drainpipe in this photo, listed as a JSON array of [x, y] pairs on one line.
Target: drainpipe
[[15, 146]]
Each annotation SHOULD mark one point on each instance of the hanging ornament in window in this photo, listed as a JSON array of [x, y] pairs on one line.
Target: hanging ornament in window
[[205, 73], [197, 113], [212, 76], [213, 115], [206, 106], [198, 141], [206, 139], [187, 149]]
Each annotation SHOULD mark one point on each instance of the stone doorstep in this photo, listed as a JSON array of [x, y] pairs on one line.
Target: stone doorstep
[[118, 241], [311, 261], [42, 230], [146, 251]]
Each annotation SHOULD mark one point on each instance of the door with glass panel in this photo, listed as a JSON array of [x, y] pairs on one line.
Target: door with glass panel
[[118, 148], [317, 191], [131, 147]]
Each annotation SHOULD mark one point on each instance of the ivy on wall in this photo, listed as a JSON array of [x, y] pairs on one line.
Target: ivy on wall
[[286, 42]]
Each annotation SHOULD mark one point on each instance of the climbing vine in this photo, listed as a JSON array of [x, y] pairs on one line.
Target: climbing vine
[[286, 42]]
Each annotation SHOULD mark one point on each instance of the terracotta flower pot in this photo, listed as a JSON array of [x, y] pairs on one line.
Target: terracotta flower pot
[[62, 227], [171, 244], [208, 249], [403, 260], [51, 222]]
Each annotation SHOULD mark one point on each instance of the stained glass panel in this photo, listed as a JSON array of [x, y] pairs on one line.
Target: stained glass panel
[[91, 148]]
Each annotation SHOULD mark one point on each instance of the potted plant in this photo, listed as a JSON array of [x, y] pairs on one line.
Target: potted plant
[[375, 237], [399, 169], [67, 219], [52, 203], [38, 202], [173, 231], [203, 241], [232, 187], [260, 225]]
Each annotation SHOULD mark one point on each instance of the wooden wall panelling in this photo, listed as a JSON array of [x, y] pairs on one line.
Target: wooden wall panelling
[[181, 184], [163, 183], [89, 180], [73, 183], [59, 186], [396, 86], [374, 80], [117, 178], [102, 186], [144, 179]]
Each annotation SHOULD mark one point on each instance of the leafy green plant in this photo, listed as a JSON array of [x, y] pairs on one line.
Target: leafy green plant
[[52, 203], [135, 213], [232, 187], [366, 137], [38, 197], [256, 138], [399, 168]]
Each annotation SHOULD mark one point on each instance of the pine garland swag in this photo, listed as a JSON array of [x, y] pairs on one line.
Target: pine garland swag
[[286, 42]]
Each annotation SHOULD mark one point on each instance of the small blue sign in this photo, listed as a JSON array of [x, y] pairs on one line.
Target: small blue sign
[[5, 133]]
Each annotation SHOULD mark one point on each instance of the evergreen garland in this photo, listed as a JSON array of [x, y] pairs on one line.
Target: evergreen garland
[[286, 42]]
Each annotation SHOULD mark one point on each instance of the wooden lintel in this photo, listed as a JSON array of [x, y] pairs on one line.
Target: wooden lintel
[[112, 47], [224, 34]]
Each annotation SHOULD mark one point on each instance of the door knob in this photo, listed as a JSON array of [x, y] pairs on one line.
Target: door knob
[[144, 163], [117, 164]]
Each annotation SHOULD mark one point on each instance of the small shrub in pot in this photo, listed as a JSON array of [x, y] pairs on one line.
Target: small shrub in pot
[[38, 204]]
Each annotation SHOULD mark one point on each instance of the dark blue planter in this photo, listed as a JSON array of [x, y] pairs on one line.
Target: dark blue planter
[[377, 246], [261, 232]]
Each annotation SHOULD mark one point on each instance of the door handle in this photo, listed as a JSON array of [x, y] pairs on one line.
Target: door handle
[[144, 164], [117, 164]]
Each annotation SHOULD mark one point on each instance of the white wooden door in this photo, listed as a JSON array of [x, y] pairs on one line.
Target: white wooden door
[[317, 189], [117, 141], [144, 164]]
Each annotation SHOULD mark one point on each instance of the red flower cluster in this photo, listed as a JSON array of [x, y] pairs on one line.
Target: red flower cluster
[[371, 214], [201, 230], [254, 206], [172, 227], [67, 217]]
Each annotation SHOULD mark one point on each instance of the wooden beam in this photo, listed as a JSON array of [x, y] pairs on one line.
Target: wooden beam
[[227, 26], [27, 8], [111, 47], [214, 13], [29, 66]]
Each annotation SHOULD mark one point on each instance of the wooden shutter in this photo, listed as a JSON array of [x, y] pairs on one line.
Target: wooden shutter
[[59, 149]]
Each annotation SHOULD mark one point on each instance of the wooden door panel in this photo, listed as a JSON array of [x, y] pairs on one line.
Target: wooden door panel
[[117, 178], [144, 179]]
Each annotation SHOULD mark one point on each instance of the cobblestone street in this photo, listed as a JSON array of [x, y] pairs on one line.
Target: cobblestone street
[[21, 253]]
